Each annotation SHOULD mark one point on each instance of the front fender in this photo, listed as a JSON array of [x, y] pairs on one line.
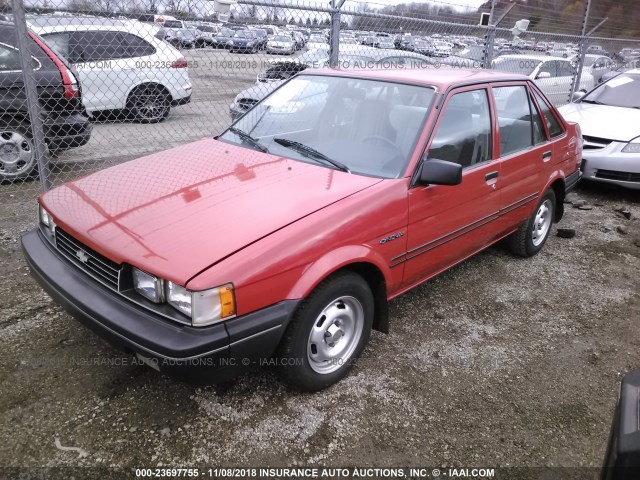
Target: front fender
[[335, 260]]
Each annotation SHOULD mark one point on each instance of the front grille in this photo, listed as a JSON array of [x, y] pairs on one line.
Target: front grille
[[594, 143], [615, 175], [98, 266]]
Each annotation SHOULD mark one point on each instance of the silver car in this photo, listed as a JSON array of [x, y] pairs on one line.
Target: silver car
[[609, 117]]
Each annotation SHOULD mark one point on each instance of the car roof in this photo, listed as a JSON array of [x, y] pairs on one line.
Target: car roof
[[79, 27], [442, 78], [53, 21]]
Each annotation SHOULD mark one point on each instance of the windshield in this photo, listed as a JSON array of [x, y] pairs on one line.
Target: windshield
[[225, 32], [620, 91], [281, 38], [523, 66], [370, 126], [243, 35]]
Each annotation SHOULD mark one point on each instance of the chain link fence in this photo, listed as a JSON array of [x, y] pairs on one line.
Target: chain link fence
[[91, 84]]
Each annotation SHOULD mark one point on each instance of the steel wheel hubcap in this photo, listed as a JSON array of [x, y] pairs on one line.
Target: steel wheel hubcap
[[335, 334], [541, 223], [16, 154]]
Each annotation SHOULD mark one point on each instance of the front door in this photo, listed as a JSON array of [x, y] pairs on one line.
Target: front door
[[449, 223]]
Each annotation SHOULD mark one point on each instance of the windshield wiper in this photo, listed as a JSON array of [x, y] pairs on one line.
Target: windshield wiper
[[595, 102], [310, 152], [249, 139]]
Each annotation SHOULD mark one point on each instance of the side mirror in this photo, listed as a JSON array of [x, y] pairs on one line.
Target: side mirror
[[440, 172], [543, 75], [577, 95]]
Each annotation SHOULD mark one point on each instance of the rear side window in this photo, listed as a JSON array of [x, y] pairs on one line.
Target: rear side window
[[80, 47], [136, 46], [553, 125], [464, 133], [565, 69], [96, 46], [550, 68], [9, 59], [514, 118]]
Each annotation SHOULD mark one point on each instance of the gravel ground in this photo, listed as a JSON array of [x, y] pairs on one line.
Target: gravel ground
[[499, 361]]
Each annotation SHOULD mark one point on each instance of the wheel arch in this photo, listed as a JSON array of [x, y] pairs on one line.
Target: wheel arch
[[559, 189], [146, 84], [359, 260]]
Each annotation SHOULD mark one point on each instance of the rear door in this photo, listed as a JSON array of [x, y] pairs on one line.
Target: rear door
[[449, 223], [525, 152]]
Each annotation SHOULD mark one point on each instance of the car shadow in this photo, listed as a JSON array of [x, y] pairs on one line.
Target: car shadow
[[607, 191]]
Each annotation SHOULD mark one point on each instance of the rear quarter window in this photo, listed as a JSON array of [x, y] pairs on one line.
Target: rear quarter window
[[40, 58], [554, 126]]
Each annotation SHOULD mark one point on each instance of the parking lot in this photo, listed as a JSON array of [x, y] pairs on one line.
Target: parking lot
[[499, 361]]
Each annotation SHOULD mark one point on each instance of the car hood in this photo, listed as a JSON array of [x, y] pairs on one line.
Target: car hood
[[177, 212], [603, 121]]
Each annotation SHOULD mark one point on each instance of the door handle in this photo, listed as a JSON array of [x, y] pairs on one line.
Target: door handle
[[491, 176], [546, 156]]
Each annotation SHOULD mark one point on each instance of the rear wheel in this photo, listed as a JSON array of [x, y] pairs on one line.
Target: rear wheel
[[533, 234], [17, 154], [328, 333], [149, 104]]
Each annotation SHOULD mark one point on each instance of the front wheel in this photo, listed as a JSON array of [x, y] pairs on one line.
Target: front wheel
[[17, 154], [532, 235], [327, 333]]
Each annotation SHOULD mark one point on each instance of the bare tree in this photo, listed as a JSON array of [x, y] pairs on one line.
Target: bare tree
[[175, 6], [106, 5]]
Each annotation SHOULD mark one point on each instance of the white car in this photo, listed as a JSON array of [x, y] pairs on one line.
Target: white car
[[120, 65], [554, 75], [281, 44], [609, 117], [442, 49]]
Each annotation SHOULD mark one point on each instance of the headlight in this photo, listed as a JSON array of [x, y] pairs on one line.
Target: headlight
[[204, 307], [46, 220], [633, 146], [147, 285]]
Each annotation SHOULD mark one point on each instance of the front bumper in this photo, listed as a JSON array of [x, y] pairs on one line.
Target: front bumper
[[207, 354], [610, 165]]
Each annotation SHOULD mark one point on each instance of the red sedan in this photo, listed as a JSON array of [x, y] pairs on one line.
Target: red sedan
[[283, 239]]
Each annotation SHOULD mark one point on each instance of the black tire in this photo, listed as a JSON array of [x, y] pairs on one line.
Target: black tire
[[297, 346], [149, 104], [16, 144], [522, 241]]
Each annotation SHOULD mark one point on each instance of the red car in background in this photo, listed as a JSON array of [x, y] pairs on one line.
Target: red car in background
[[285, 237]]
